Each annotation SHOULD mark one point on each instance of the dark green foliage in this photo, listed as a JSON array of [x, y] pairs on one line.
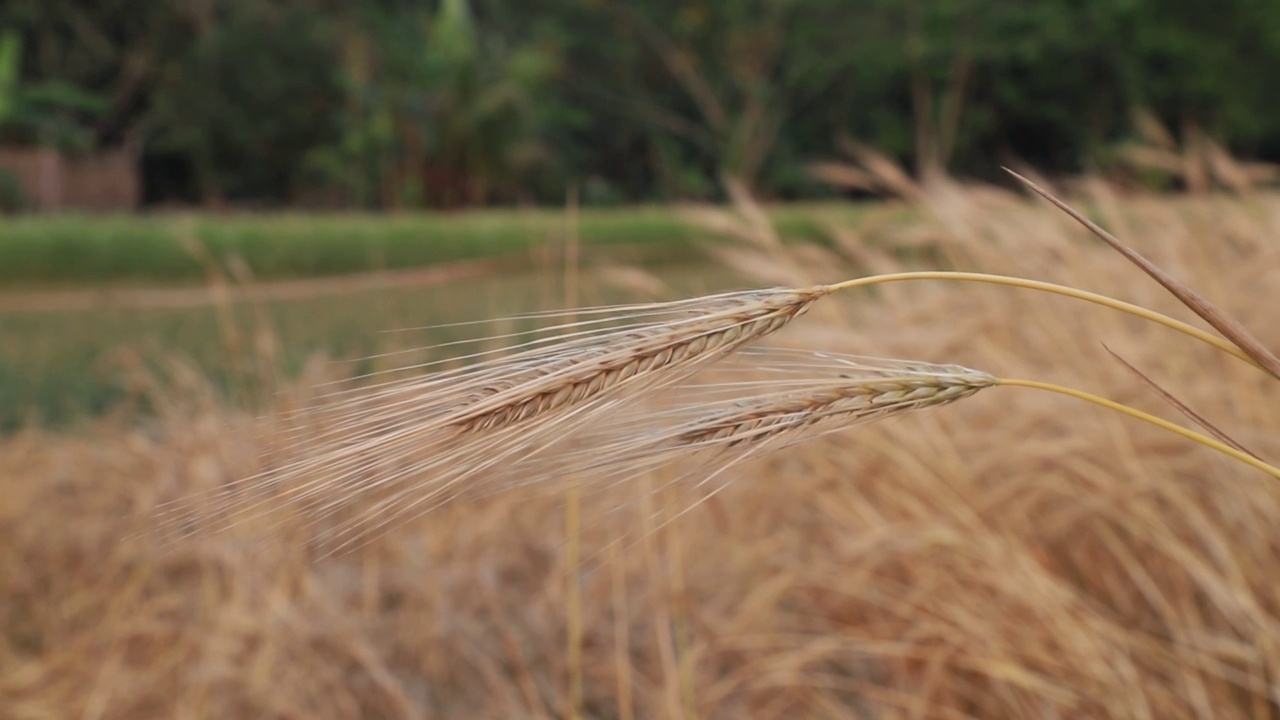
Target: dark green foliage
[[459, 102], [441, 111], [254, 97], [11, 199], [50, 112]]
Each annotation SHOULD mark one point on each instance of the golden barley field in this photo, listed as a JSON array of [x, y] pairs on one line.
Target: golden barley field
[[1011, 554]]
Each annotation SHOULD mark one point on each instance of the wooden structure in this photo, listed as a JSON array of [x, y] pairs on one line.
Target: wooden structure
[[51, 181]]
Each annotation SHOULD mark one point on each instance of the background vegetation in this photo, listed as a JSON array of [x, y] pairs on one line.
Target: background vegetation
[[400, 103], [167, 249], [1012, 555]]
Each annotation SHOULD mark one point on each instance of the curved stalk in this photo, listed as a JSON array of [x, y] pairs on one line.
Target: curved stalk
[[1148, 418], [1010, 281]]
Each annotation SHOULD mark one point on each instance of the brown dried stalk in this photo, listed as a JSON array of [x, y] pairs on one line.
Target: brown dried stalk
[[1211, 313]]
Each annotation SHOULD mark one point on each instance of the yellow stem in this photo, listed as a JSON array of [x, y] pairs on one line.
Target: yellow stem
[[574, 629], [1122, 306], [1145, 417]]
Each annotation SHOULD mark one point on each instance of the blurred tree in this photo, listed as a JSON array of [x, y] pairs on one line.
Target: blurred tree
[[439, 112], [1044, 85], [110, 50], [256, 93], [50, 113], [455, 102], [700, 87], [1207, 65]]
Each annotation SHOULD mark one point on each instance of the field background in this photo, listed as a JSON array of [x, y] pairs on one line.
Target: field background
[[77, 292], [174, 248], [1014, 555], [216, 214]]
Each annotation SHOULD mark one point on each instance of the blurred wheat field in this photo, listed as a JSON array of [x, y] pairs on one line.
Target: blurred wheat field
[[1013, 555]]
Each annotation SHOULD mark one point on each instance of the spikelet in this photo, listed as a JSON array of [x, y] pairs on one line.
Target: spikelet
[[636, 354], [894, 386]]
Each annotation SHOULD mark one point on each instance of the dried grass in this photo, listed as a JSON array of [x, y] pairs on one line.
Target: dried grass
[[1016, 555]]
